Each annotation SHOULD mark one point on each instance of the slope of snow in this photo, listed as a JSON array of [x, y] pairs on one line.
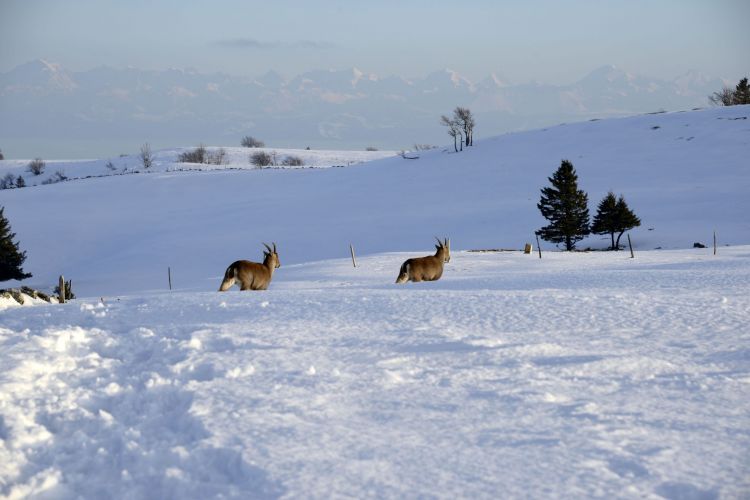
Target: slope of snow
[[167, 160], [575, 376], [684, 174]]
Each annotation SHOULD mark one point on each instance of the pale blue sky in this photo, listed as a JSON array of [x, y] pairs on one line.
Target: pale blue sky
[[544, 40]]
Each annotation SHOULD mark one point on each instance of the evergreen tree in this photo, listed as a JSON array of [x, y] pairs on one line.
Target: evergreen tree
[[614, 216], [11, 258], [566, 207], [741, 93]]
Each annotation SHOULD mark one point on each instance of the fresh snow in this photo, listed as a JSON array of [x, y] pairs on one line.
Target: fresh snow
[[586, 374], [684, 174], [577, 375]]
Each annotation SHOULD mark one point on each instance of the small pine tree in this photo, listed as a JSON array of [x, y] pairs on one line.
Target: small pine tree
[[11, 258], [614, 216], [566, 207], [741, 93], [20, 182]]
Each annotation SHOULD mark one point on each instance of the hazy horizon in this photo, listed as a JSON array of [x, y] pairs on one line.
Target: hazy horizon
[[549, 41], [551, 44]]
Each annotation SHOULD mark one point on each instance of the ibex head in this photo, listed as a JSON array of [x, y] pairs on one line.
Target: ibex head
[[445, 246], [272, 256]]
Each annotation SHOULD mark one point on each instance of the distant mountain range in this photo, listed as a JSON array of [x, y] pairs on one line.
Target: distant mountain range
[[46, 110]]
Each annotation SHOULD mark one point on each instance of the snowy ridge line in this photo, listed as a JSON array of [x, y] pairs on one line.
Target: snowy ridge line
[[164, 161]]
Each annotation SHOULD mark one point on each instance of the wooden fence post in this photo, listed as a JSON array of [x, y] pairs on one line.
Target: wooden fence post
[[630, 244], [169, 275], [61, 295], [538, 246], [714, 242], [351, 249]]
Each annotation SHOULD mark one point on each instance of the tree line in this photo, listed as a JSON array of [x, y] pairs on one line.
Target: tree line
[[728, 96], [460, 127], [566, 208]]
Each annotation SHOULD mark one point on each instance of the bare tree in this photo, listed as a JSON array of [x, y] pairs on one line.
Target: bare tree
[[724, 97], [261, 159], [465, 119], [146, 156], [58, 176], [454, 130], [197, 155], [216, 157], [292, 161], [36, 166], [251, 142]]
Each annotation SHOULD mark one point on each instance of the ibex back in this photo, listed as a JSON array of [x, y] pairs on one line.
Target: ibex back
[[428, 268], [252, 275]]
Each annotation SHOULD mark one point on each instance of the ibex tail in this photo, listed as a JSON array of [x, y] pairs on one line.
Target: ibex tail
[[403, 275], [229, 276]]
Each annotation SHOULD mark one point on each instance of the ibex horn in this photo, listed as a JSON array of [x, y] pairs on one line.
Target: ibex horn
[[267, 247], [274, 248], [439, 242]]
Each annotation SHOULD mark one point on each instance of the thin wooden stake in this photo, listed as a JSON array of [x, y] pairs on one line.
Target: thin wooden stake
[[714, 242], [630, 244], [351, 249], [538, 246], [169, 274], [61, 295]]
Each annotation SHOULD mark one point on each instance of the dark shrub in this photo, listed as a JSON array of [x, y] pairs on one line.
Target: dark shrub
[[36, 166]]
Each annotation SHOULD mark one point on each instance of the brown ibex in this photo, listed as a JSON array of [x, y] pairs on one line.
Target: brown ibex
[[428, 268], [251, 275]]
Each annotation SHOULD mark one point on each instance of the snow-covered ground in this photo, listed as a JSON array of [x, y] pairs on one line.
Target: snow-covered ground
[[167, 160], [574, 376], [684, 174]]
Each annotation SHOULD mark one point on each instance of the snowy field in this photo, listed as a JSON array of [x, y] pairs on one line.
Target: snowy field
[[580, 375], [684, 174], [574, 376]]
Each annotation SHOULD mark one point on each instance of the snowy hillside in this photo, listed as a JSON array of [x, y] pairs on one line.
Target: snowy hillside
[[684, 174], [168, 160], [580, 375]]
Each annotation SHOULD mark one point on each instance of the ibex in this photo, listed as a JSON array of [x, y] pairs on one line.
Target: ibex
[[428, 268], [251, 275]]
